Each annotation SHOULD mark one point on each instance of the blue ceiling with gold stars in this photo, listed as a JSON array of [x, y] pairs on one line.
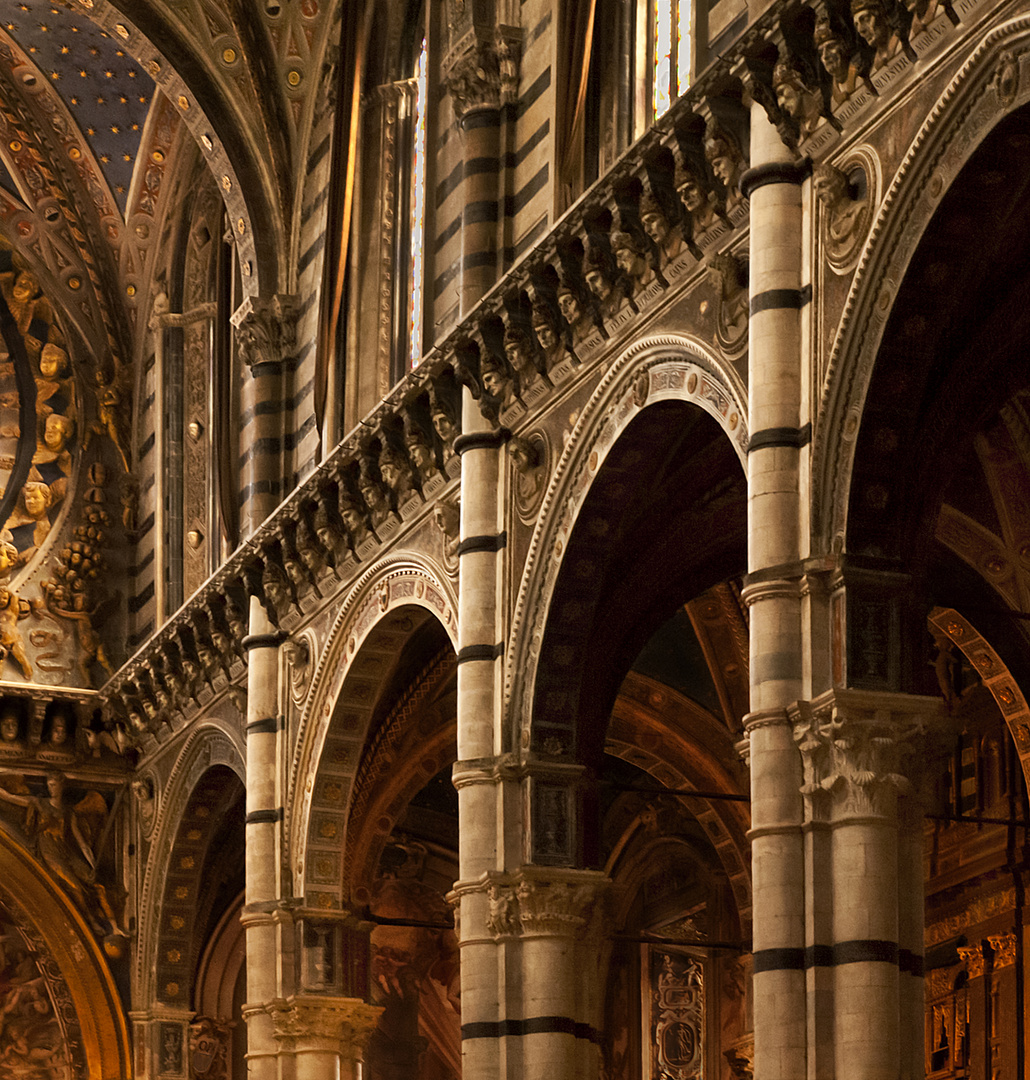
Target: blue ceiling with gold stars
[[105, 88]]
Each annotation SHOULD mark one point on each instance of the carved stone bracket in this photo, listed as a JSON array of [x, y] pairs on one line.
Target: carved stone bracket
[[973, 957], [1004, 946], [323, 1024], [858, 751], [266, 330]]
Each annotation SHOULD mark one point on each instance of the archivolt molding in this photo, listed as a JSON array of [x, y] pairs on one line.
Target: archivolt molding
[[207, 745], [396, 581], [660, 368], [979, 96]]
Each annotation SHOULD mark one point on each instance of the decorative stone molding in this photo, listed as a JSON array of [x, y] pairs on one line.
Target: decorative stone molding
[[980, 910], [325, 1024], [855, 747]]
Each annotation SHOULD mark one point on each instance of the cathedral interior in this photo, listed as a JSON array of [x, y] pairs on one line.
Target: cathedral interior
[[514, 539]]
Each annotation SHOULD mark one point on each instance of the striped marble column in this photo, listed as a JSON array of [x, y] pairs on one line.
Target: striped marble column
[[265, 345], [478, 777], [262, 917], [773, 593]]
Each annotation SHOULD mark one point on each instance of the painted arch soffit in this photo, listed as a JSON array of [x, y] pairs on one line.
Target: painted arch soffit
[[664, 368], [95, 75], [992, 83], [395, 583]]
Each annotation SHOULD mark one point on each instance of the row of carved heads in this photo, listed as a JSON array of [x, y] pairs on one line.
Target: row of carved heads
[[825, 57]]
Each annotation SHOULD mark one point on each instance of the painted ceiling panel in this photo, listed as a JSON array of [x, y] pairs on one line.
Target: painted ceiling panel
[[105, 89]]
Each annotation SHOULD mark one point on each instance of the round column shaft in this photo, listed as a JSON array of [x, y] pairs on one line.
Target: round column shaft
[[774, 596]]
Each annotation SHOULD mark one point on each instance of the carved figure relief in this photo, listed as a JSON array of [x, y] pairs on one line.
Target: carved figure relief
[[40, 1038], [732, 316], [63, 836], [446, 519], [530, 458], [845, 210], [923, 13], [677, 1015], [600, 278]]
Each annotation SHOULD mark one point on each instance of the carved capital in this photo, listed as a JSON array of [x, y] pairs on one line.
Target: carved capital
[[266, 330], [543, 903], [741, 1058], [325, 1024], [973, 957], [1004, 946], [857, 749], [485, 74]]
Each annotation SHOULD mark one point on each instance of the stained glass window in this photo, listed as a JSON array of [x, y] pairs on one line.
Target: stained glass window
[[671, 29], [418, 206]]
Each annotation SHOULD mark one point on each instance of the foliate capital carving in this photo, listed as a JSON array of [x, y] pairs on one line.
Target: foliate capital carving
[[266, 330], [330, 1024], [973, 957], [485, 74], [856, 749], [547, 904], [741, 1058], [1004, 946]]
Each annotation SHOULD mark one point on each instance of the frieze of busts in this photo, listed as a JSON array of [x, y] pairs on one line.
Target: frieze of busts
[[873, 25], [354, 516], [276, 587], [12, 741], [923, 13], [396, 471], [297, 572], [331, 538], [545, 326], [521, 354], [419, 448], [374, 493], [631, 259], [669, 241], [699, 203], [58, 745], [837, 59], [574, 312], [795, 98], [444, 418], [497, 379], [599, 275], [726, 157], [310, 550]]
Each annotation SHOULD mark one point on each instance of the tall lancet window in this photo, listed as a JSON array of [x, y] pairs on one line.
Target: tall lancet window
[[671, 36], [418, 209]]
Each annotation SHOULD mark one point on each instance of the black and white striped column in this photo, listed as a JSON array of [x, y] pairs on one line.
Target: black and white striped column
[[773, 592], [260, 918]]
